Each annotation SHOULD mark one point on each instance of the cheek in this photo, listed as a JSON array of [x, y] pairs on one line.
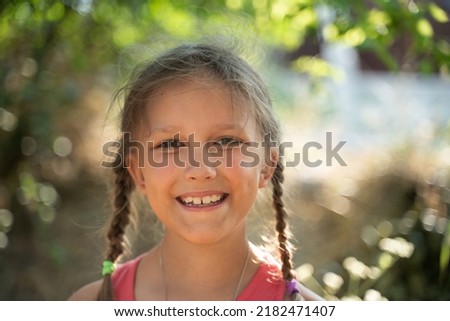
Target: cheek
[[160, 161], [243, 157], [159, 177], [244, 164]]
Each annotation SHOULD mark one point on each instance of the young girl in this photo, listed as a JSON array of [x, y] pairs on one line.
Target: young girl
[[195, 124]]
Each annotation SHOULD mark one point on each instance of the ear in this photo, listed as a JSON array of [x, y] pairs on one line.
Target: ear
[[267, 170], [135, 170]]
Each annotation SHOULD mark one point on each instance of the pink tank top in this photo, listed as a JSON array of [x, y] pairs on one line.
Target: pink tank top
[[266, 284]]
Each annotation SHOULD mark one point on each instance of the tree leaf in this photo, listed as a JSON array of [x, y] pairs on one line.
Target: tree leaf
[[437, 13], [424, 28]]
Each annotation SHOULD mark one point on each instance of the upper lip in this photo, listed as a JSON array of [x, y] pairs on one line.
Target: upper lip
[[201, 194]]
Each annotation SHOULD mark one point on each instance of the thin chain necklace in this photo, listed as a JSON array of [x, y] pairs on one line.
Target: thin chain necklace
[[161, 264]]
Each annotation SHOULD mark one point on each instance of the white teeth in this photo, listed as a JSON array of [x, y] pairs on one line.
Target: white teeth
[[206, 200], [202, 200]]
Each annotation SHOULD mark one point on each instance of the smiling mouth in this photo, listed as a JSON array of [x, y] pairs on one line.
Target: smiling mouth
[[203, 201]]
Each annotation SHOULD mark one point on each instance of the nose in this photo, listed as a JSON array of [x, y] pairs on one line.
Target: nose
[[199, 169]]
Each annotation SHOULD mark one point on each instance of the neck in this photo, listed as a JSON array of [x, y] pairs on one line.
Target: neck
[[218, 268]]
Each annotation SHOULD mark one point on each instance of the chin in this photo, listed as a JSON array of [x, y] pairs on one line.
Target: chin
[[203, 239]]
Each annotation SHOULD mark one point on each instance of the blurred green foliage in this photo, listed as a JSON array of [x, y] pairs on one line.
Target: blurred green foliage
[[397, 258], [53, 52]]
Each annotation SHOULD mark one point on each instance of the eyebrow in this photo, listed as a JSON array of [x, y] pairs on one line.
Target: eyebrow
[[164, 130], [172, 129]]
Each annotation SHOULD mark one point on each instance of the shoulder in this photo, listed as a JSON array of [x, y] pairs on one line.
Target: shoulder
[[88, 292], [269, 266], [122, 278]]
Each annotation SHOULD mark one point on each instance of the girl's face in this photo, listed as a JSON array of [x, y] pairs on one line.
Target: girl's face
[[193, 177]]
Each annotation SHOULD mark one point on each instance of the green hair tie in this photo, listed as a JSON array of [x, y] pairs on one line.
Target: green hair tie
[[108, 267]]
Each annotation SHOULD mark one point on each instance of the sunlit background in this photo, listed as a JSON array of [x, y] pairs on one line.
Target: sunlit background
[[372, 76]]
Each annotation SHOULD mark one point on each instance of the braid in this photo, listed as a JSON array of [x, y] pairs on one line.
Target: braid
[[281, 225], [116, 234]]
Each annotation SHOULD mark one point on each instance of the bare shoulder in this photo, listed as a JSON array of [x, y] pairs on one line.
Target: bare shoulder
[[88, 292]]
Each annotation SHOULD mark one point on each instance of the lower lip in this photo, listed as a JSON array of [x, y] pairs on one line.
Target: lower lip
[[203, 208]]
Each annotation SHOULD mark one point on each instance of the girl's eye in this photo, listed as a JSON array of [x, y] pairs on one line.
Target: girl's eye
[[228, 142], [170, 144]]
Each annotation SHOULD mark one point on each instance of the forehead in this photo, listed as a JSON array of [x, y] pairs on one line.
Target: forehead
[[196, 104]]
